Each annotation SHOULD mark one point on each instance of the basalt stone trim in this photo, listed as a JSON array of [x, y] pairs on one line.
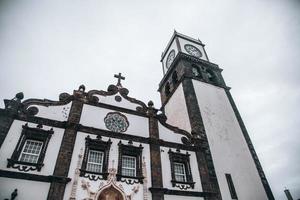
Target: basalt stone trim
[[134, 138], [180, 192], [205, 164], [5, 124], [34, 177], [155, 159], [251, 148], [43, 121], [63, 161]]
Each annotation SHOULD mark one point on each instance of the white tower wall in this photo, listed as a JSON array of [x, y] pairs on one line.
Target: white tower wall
[[228, 147]]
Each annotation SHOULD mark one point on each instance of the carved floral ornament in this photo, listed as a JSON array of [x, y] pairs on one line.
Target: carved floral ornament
[[116, 122], [108, 187]]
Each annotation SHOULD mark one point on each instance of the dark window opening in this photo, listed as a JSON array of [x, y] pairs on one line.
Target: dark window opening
[[174, 78], [167, 89], [231, 186], [196, 71], [212, 76]]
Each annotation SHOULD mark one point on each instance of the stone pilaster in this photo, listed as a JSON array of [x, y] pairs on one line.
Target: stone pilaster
[[155, 159], [63, 162], [205, 163]]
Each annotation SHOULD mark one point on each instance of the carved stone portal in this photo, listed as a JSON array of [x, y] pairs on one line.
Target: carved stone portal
[[110, 194], [109, 190]]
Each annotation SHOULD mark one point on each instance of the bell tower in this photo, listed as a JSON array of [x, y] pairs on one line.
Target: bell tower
[[195, 98]]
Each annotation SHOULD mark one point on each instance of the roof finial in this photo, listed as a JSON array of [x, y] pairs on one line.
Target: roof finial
[[119, 77]]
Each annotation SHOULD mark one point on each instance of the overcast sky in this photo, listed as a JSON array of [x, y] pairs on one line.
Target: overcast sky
[[50, 47]]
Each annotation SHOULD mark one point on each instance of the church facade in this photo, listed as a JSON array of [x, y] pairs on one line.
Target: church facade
[[106, 145]]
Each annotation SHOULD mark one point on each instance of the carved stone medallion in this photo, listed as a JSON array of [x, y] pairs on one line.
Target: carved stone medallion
[[116, 122]]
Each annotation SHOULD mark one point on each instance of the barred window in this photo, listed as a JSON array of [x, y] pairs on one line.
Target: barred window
[[95, 161], [128, 165], [31, 151], [179, 171], [31, 148]]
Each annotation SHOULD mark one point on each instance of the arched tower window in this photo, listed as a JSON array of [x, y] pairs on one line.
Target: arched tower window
[[174, 78], [212, 76], [167, 89], [196, 71]]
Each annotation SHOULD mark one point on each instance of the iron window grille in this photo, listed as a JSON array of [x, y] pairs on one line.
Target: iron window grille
[[181, 170], [31, 148], [130, 163], [31, 151], [95, 161]]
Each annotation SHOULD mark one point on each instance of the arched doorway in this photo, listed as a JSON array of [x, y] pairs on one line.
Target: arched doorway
[[111, 193]]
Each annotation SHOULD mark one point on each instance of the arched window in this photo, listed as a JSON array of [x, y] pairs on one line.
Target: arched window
[[167, 89], [174, 78], [212, 76], [196, 71]]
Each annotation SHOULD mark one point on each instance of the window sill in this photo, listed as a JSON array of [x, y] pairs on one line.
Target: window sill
[[93, 176], [183, 185], [130, 179], [24, 166]]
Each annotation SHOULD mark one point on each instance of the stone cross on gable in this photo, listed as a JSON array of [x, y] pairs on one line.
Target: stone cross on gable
[[119, 77]]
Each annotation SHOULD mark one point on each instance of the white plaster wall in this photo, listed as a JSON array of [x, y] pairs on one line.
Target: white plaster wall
[[228, 146], [59, 113], [124, 103], [94, 117], [176, 197], [27, 190], [200, 47], [113, 156], [168, 135], [176, 110], [11, 141], [166, 170], [173, 46]]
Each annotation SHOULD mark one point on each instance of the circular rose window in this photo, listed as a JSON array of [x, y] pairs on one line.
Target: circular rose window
[[116, 122]]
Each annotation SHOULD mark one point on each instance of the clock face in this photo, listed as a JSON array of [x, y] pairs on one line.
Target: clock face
[[116, 122], [192, 50], [170, 58]]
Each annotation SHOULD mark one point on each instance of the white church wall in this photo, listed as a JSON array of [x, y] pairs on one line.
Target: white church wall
[[94, 117], [168, 135], [59, 113], [27, 190], [176, 110], [166, 170], [11, 141], [177, 197], [228, 147], [124, 103], [112, 163], [200, 47]]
